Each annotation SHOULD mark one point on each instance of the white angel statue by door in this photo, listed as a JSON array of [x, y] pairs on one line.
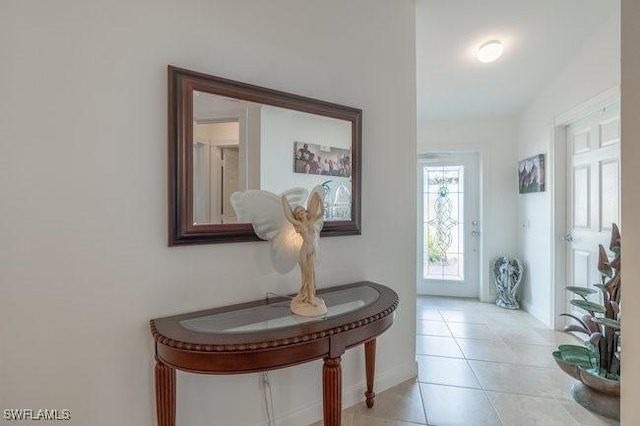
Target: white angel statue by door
[[293, 232], [507, 274]]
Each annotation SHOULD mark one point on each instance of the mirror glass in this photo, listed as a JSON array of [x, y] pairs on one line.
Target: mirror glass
[[226, 136], [285, 148]]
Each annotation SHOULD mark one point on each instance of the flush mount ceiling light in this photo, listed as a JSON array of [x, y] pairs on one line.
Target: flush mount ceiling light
[[490, 51]]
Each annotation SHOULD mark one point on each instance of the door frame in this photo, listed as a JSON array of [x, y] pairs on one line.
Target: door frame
[[559, 200], [484, 291]]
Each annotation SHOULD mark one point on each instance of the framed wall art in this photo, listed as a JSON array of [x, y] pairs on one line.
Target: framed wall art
[[321, 160], [531, 174]]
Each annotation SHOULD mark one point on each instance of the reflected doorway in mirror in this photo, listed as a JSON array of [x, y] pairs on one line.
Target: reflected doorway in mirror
[[216, 170]]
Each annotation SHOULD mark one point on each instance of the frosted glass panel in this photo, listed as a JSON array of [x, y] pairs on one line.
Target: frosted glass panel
[[443, 221]]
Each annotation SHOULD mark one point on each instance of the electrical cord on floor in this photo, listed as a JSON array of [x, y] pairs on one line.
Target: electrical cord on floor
[[268, 400], [271, 294]]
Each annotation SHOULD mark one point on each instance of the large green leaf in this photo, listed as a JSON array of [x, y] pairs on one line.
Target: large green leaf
[[576, 355], [581, 291], [568, 348], [608, 322], [589, 306]]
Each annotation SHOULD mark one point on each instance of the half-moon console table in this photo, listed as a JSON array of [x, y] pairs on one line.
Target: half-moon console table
[[265, 335]]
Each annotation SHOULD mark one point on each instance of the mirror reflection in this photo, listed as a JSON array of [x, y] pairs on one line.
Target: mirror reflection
[[239, 145], [226, 136]]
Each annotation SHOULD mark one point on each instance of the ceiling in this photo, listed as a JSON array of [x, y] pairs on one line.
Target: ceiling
[[539, 36]]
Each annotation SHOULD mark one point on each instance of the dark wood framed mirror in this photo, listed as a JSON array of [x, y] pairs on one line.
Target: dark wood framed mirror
[[227, 136]]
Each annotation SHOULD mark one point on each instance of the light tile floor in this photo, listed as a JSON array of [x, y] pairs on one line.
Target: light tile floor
[[479, 365]]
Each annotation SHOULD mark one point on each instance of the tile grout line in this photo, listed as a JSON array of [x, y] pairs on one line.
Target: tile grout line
[[549, 344], [495, 410], [552, 398], [505, 343], [466, 359], [450, 386], [473, 372], [554, 368], [424, 407], [556, 400]]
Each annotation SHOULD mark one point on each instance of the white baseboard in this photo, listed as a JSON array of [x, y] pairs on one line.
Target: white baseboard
[[352, 395], [527, 307]]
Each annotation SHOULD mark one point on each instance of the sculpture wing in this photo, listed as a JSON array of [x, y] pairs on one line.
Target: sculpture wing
[[496, 269], [285, 249], [260, 208], [263, 209], [296, 196]]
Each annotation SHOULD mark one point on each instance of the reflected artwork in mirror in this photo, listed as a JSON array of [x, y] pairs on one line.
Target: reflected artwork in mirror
[[226, 136]]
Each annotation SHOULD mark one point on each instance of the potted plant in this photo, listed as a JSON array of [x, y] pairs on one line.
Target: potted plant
[[596, 364]]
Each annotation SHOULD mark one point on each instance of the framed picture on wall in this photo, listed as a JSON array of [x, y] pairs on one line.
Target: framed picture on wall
[[531, 174], [321, 160]]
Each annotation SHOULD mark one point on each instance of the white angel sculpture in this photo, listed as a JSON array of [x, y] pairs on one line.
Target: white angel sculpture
[[507, 274], [293, 232]]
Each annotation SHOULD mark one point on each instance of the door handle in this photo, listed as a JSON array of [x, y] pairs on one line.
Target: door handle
[[567, 238]]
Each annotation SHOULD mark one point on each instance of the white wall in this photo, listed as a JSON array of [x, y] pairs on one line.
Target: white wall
[[594, 69], [84, 262], [495, 139], [630, 209], [281, 128]]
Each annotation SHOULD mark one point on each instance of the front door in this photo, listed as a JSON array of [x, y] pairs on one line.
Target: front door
[[593, 189], [449, 227]]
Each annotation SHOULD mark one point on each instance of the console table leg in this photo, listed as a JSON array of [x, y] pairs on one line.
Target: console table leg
[[165, 394], [332, 391], [370, 364]]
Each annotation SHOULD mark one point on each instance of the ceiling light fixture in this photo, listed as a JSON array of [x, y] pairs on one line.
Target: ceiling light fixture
[[490, 51]]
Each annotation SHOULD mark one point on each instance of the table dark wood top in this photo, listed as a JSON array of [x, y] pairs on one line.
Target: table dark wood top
[[264, 334]]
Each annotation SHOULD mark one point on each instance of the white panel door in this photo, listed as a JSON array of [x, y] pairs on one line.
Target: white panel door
[[593, 189], [229, 181], [449, 228]]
